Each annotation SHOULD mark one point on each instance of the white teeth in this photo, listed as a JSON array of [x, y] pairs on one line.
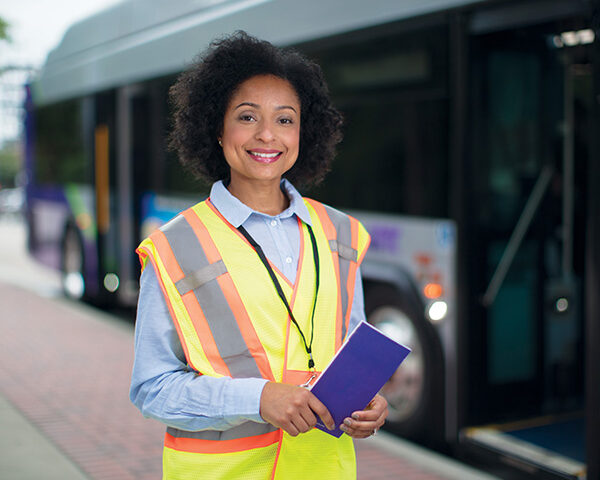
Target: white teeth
[[265, 155]]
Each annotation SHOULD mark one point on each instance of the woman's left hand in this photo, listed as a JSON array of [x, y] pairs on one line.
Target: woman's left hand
[[364, 423]]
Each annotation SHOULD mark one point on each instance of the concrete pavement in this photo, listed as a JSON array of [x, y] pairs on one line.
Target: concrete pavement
[[27, 454]]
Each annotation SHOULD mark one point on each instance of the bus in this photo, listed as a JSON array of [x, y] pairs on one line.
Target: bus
[[470, 154]]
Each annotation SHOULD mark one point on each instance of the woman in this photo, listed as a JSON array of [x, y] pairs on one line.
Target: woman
[[250, 293]]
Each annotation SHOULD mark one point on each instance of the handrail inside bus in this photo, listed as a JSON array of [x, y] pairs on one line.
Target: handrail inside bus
[[516, 238]]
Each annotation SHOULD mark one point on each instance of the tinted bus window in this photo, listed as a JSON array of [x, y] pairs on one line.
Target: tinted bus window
[[178, 180], [169, 177], [392, 92], [59, 147]]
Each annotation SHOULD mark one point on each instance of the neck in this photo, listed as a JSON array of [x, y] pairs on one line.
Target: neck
[[264, 198]]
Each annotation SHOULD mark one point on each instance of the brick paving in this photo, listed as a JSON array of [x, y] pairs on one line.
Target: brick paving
[[67, 368]]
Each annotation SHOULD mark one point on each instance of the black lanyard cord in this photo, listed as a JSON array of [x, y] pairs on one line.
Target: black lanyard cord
[[263, 258]]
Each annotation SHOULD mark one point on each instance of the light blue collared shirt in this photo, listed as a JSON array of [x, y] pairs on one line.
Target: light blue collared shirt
[[162, 385]]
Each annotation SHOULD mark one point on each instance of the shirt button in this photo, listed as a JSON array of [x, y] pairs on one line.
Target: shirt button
[[273, 223], [288, 260]]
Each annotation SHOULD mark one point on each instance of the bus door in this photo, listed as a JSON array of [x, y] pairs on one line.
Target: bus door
[[118, 133], [531, 95]]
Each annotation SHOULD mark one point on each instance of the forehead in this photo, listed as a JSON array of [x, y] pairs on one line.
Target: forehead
[[265, 89]]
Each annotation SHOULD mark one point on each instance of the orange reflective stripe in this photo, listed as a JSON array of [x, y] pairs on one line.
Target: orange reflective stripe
[[299, 377], [351, 270], [277, 454], [204, 333], [167, 256], [232, 296], [300, 256], [196, 315], [246, 328], [328, 228], [142, 257], [210, 249], [195, 445], [331, 234], [156, 236]]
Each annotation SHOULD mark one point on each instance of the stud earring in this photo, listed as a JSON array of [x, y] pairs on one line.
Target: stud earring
[[220, 142]]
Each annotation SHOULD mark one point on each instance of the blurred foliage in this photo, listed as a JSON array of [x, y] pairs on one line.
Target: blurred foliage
[[4, 35], [10, 163]]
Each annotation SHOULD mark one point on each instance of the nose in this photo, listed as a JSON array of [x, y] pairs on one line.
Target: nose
[[264, 132]]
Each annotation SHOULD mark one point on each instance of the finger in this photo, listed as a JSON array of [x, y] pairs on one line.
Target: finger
[[363, 428], [321, 410], [376, 408], [301, 424], [292, 430], [308, 417], [354, 426], [357, 432]]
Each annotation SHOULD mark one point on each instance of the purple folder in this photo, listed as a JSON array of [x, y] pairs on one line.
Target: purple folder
[[357, 372]]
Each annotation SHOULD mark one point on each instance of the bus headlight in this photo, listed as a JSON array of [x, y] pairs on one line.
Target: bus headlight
[[437, 310], [111, 282]]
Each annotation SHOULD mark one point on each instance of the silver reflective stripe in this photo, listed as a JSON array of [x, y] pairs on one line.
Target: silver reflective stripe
[[247, 429], [221, 320], [345, 251], [200, 277], [341, 222]]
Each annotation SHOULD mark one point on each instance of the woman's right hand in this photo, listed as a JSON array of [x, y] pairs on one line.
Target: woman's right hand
[[292, 408]]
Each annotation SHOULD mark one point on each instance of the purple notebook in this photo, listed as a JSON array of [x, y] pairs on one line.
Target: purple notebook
[[357, 372]]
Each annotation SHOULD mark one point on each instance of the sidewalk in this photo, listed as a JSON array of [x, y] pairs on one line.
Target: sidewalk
[[27, 454], [64, 375], [66, 368]]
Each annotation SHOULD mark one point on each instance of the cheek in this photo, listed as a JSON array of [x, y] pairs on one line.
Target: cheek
[[233, 137], [233, 134], [293, 140]]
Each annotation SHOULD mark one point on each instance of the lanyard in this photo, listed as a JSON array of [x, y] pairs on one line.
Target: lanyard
[[263, 258]]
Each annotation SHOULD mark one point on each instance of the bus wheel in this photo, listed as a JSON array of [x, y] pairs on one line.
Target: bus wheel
[[414, 392], [72, 279]]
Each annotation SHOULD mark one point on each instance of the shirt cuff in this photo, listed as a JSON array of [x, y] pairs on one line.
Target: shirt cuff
[[242, 397]]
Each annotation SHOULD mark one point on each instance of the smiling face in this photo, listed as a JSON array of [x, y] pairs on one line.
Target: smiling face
[[261, 132]]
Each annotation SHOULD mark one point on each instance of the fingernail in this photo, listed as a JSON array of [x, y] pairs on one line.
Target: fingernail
[[348, 422], [343, 428], [355, 416]]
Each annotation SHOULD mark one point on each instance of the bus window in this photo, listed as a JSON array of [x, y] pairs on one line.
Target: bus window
[[168, 176], [179, 181], [59, 148], [392, 92]]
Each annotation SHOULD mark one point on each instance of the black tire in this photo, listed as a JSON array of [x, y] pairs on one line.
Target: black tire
[[72, 276], [415, 391]]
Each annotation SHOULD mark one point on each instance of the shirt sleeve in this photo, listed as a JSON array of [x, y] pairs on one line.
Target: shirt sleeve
[[163, 387]]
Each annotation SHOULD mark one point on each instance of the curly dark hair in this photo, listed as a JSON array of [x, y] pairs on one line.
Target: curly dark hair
[[201, 94]]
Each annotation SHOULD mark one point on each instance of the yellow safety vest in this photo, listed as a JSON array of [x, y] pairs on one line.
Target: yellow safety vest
[[231, 322]]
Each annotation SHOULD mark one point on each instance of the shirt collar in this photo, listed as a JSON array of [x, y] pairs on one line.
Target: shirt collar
[[236, 212]]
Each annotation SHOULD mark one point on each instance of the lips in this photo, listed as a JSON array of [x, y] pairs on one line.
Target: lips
[[265, 156]]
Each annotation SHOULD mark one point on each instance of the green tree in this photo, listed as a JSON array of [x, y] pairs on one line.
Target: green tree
[[4, 35], [10, 163]]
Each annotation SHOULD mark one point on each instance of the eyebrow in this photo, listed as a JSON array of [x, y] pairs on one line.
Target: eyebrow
[[255, 105]]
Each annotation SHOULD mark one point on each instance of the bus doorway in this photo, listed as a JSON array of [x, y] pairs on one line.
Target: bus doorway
[[531, 101]]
